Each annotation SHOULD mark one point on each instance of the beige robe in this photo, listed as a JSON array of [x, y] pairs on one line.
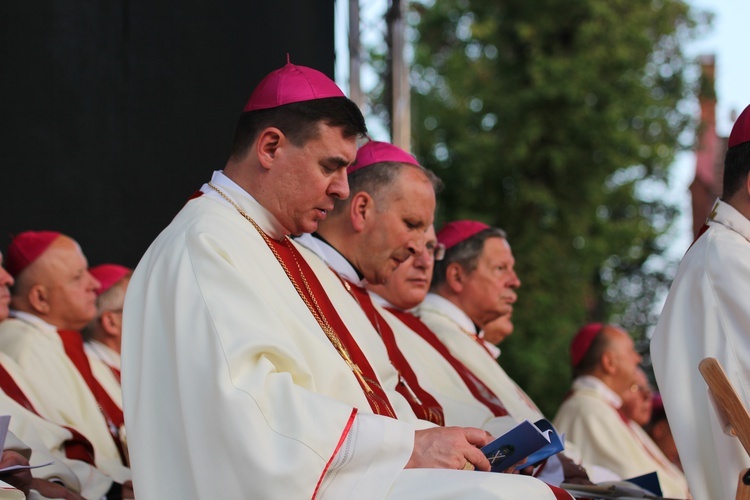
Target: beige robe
[[435, 374], [41, 441], [61, 392], [457, 332], [589, 417], [232, 390]]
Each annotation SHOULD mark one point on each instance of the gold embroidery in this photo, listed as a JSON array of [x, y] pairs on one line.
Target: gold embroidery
[[314, 307]]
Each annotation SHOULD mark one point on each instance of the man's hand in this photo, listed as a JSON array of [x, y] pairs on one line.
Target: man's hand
[[572, 472], [449, 448], [53, 490], [19, 479]]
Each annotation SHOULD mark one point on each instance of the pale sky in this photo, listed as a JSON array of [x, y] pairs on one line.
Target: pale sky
[[728, 41]]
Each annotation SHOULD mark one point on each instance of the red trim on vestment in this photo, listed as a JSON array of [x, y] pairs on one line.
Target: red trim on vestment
[[76, 448], [116, 373], [342, 440], [302, 276], [73, 344], [425, 406], [560, 494], [478, 389]]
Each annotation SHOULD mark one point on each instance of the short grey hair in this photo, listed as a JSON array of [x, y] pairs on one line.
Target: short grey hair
[[465, 253], [377, 179]]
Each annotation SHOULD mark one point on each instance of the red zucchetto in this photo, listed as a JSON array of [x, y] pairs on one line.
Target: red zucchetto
[[108, 275], [291, 84], [455, 232], [26, 248], [582, 342], [741, 129], [378, 152]]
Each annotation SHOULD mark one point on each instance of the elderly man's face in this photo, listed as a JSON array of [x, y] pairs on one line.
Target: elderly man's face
[[626, 359], [6, 281], [70, 288], [410, 282], [490, 289], [312, 177], [396, 229], [637, 401]]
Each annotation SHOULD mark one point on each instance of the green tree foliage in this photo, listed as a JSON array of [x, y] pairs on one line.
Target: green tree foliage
[[544, 118]]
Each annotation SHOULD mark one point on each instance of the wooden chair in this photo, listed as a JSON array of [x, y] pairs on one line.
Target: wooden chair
[[732, 411]]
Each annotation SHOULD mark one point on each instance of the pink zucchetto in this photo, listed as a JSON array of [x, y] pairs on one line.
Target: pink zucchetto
[[378, 152], [741, 129], [290, 84], [455, 232], [582, 342], [108, 275], [26, 248]]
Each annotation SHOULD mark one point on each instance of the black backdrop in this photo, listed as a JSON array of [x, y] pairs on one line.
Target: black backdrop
[[114, 112]]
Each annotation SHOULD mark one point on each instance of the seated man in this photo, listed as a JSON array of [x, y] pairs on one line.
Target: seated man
[[474, 284], [103, 334], [405, 290], [53, 298], [73, 465], [255, 373], [604, 364]]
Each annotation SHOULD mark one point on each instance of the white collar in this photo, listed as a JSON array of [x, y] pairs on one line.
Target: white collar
[[33, 319], [728, 216], [265, 219], [331, 257], [491, 348], [444, 307], [597, 385], [103, 352]]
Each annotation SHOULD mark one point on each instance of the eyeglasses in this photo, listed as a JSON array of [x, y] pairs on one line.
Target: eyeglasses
[[436, 250], [645, 391]]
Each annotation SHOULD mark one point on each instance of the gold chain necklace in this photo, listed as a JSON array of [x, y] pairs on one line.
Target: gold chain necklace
[[314, 307]]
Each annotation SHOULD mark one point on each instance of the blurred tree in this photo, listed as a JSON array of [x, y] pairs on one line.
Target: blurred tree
[[553, 120]]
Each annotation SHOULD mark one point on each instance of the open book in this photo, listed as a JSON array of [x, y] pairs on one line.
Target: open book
[[533, 442], [645, 486]]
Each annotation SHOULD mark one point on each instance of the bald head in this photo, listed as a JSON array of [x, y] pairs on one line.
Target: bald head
[[57, 287], [612, 358]]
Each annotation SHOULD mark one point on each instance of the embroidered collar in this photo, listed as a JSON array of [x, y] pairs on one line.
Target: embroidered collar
[[332, 258], [265, 219], [728, 216], [437, 304]]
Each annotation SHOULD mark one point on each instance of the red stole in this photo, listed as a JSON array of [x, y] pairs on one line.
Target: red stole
[[477, 388], [481, 343], [76, 448], [311, 290], [73, 344], [425, 406]]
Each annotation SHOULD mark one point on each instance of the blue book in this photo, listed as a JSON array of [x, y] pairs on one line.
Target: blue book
[[533, 442]]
